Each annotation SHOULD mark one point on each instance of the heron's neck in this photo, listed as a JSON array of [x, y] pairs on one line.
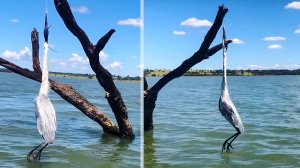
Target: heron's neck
[[224, 82], [45, 83]]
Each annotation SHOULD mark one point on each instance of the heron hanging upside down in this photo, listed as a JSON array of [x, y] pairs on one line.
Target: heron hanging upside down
[[45, 112]]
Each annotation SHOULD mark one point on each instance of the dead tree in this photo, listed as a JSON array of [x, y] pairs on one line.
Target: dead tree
[[204, 52], [104, 78]]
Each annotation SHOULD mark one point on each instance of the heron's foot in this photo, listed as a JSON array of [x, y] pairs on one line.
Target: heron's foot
[[227, 146], [224, 146], [36, 153], [32, 157]]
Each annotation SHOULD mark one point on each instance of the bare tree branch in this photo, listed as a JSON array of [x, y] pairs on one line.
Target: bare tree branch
[[104, 78], [150, 96], [145, 84], [217, 48], [198, 56], [64, 90], [70, 95], [35, 51], [103, 40], [65, 12]]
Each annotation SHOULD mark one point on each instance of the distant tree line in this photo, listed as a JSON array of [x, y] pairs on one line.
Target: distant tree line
[[79, 75], [195, 72]]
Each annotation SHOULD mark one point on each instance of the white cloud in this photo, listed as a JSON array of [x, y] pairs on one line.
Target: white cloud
[[238, 67], [297, 31], [290, 66], [194, 22], [131, 22], [14, 20], [275, 46], [274, 38], [293, 5], [276, 66], [257, 67], [140, 66], [237, 41], [116, 65], [77, 59], [179, 32], [80, 9], [58, 61], [16, 55], [103, 56], [62, 63]]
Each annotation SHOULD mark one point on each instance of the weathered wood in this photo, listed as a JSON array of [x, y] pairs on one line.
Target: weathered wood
[[64, 90], [103, 76], [70, 95], [145, 84], [150, 95], [35, 51]]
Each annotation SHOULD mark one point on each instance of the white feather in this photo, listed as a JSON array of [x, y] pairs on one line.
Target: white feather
[[45, 112]]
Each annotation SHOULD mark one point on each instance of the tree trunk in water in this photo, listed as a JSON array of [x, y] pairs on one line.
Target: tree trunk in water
[[69, 94], [104, 78], [150, 95]]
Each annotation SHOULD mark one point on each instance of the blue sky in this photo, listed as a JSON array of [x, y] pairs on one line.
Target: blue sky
[[269, 33], [121, 54], [268, 30]]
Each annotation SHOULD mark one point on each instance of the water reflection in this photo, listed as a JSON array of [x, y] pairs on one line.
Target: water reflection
[[271, 117], [80, 142], [121, 145], [150, 159]]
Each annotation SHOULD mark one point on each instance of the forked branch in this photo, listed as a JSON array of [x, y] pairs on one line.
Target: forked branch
[[204, 52], [104, 78]]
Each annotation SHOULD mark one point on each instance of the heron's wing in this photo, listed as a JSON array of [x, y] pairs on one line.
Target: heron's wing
[[38, 118], [225, 107], [230, 113]]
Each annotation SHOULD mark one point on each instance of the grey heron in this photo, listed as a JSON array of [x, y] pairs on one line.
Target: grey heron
[[45, 112], [226, 106]]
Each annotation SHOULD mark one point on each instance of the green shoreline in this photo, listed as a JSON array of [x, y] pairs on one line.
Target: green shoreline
[[163, 72], [196, 72], [84, 76]]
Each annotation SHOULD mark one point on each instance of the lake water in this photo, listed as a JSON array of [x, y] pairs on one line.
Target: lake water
[[80, 142], [189, 130]]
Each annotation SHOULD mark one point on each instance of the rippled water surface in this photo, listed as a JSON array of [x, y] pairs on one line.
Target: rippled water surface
[[189, 130], [79, 141]]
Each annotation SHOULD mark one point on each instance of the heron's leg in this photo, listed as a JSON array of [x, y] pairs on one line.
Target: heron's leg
[[229, 144], [226, 142], [40, 151], [30, 157]]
